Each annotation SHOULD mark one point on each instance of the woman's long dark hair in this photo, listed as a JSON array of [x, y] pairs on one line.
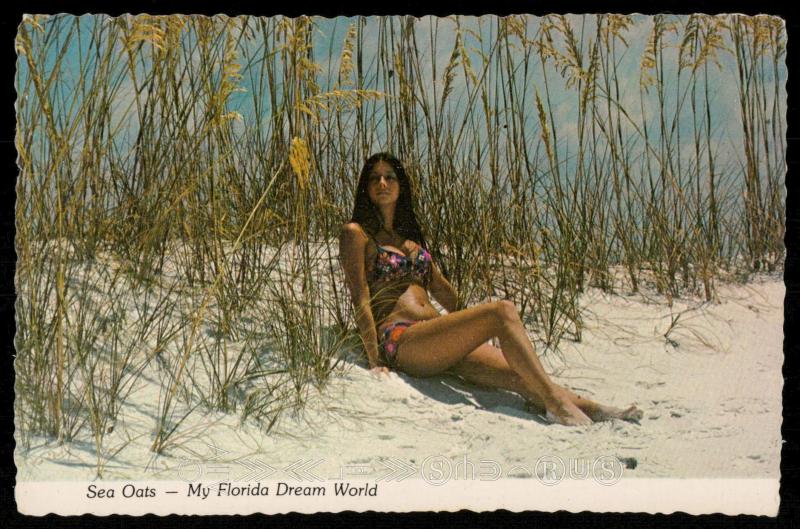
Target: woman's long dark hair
[[369, 216]]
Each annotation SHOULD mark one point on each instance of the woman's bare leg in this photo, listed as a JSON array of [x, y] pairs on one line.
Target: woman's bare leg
[[434, 346], [486, 366]]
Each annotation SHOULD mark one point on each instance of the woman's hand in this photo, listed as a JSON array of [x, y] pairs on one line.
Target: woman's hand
[[378, 370]]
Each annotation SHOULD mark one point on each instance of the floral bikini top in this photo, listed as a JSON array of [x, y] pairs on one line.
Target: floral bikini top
[[391, 265]]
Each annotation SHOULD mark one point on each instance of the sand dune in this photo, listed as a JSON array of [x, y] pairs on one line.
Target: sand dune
[[710, 391]]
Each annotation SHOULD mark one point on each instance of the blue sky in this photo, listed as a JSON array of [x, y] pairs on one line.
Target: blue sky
[[435, 38]]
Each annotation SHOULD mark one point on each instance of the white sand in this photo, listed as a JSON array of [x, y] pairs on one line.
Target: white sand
[[711, 400]]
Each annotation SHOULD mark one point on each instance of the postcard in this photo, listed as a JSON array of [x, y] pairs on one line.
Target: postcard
[[389, 263]]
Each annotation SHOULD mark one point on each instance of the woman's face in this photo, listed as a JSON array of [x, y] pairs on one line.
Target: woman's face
[[383, 185]]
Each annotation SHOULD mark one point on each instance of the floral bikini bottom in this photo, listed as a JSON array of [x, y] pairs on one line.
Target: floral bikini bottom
[[391, 334]]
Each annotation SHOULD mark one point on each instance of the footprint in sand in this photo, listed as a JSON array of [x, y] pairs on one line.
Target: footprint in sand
[[649, 385], [677, 411], [621, 429], [385, 437]]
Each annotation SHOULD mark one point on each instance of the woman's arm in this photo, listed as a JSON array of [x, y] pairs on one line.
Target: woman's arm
[[352, 246], [443, 291]]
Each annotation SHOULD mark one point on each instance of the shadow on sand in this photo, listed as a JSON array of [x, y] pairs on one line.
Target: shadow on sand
[[452, 390]]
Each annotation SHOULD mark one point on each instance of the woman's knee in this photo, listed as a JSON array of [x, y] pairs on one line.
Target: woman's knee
[[506, 313]]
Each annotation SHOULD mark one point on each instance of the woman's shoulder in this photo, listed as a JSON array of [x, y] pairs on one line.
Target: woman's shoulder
[[353, 228], [353, 233]]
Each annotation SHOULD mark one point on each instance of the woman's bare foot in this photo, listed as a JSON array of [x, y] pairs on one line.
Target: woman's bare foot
[[606, 413], [561, 410]]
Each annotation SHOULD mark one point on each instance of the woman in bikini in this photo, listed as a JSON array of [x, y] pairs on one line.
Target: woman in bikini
[[390, 273]]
